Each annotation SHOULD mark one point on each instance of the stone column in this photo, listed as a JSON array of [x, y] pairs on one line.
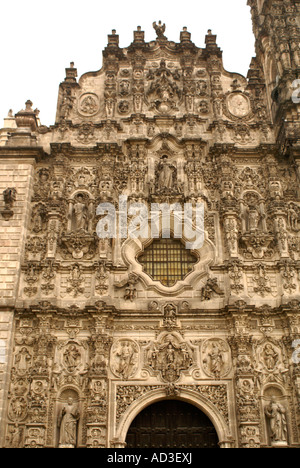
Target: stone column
[[248, 418]]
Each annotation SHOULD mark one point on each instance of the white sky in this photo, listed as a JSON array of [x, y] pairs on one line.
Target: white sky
[[39, 39]]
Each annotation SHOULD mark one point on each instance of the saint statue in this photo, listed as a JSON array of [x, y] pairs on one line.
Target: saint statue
[[165, 178], [275, 413], [80, 214], [67, 423]]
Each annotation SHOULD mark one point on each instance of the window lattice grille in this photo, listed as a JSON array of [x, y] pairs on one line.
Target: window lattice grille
[[167, 261]]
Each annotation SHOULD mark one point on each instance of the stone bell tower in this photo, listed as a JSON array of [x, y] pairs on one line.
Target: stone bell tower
[[276, 28]]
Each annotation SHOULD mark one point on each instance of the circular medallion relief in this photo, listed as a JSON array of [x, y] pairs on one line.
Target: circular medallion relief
[[88, 104], [238, 105]]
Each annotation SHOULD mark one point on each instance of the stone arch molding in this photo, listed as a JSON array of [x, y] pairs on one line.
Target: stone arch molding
[[183, 394]]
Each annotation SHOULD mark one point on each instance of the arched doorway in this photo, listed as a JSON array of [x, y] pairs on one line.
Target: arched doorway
[[171, 424]]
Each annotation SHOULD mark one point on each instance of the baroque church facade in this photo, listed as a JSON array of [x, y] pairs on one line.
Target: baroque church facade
[[109, 342]]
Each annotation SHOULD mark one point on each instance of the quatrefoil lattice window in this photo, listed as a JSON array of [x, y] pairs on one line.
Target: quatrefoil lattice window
[[167, 261]]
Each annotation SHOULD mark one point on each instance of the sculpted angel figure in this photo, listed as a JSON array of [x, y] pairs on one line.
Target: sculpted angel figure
[[159, 29]]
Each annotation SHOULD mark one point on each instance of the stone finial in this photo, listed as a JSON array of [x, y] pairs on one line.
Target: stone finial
[[26, 118], [71, 73], [185, 36], [139, 35]]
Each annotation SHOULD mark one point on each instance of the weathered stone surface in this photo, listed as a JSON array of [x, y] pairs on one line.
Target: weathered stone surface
[[92, 330]]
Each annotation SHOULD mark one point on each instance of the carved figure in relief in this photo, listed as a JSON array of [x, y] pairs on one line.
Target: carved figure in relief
[[270, 356], [15, 436], [170, 356], [169, 315], [276, 416], [215, 358], [72, 358], [210, 288], [67, 103], [292, 218], [130, 289], [23, 361], [124, 358], [67, 423]]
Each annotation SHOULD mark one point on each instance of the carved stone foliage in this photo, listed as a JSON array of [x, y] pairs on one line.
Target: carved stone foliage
[[128, 394]]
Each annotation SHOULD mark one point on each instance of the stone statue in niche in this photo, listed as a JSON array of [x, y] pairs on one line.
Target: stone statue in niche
[[292, 217], [80, 214], [253, 214], [253, 218], [106, 190], [166, 173], [71, 358], [277, 424], [67, 423]]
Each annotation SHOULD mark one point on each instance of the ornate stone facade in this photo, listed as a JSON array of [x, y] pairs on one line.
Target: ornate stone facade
[[88, 337]]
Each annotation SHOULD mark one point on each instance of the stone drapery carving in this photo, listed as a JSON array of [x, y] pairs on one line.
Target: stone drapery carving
[[67, 423]]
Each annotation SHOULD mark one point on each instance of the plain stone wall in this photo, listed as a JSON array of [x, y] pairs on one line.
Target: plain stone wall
[[18, 174]]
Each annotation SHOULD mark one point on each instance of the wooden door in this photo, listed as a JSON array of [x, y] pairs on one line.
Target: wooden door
[[172, 424]]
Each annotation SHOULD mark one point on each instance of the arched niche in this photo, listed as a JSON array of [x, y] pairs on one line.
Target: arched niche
[[81, 212], [68, 418], [275, 411]]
